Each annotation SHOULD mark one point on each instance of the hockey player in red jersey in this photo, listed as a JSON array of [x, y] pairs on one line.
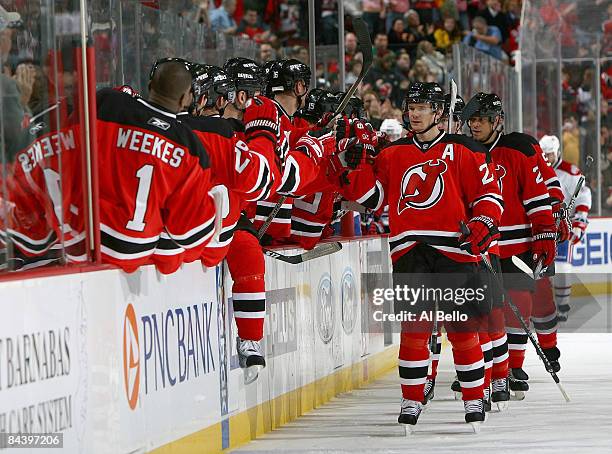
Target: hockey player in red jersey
[[568, 175], [242, 171], [245, 258], [433, 181], [491, 334], [287, 81], [527, 229], [154, 175]]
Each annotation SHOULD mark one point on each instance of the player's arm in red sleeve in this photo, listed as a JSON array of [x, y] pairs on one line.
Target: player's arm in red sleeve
[[536, 201], [301, 166], [483, 197], [252, 174]]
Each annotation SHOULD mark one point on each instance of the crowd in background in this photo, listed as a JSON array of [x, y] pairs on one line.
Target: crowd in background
[[412, 41]]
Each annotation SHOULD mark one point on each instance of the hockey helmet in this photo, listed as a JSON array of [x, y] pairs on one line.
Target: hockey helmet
[[392, 128], [318, 102], [246, 75], [459, 106], [551, 146], [283, 75], [484, 105], [212, 82], [424, 92]]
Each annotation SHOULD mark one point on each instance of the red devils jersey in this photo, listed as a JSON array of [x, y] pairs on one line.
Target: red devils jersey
[[553, 185], [312, 212], [239, 173], [45, 193], [301, 157], [526, 199], [432, 187], [154, 183]]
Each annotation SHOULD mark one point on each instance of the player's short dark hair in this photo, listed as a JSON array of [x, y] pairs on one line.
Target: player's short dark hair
[[171, 79]]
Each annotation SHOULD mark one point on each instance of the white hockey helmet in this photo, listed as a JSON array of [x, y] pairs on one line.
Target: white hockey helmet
[[550, 146], [392, 128]]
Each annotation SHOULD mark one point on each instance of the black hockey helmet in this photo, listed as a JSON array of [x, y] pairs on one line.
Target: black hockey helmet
[[459, 106], [487, 105], [246, 75], [354, 108], [213, 82], [318, 102], [286, 73], [424, 92]]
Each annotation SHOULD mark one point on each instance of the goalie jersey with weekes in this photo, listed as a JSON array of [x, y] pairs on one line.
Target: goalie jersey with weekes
[[432, 187], [154, 181]]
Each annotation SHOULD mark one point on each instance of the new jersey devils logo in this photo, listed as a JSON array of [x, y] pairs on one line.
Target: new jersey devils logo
[[500, 171], [422, 185]]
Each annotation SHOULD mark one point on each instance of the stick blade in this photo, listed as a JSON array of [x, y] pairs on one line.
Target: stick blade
[[321, 251], [522, 266], [364, 41]]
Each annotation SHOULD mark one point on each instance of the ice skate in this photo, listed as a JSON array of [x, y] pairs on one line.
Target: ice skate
[[429, 390], [456, 388], [517, 382], [250, 358], [474, 413], [409, 414], [553, 355], [500, 394], [487, 399], [562, 312]]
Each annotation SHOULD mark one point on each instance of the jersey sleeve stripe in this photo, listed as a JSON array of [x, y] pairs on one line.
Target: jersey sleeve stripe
[[531, 211]]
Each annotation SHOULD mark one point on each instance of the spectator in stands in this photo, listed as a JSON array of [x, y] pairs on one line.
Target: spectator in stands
[[448, 34], [199, 13], [253, 28], [395, 10], [485, 38], [435, 61], [350, 47], [513, 20], [494, 16], [420, 73], [221, 19], [462, 11], [354, 68], [403, 64], [300, 53], [266, 53], [372, 106], [419, 31], [427, 11], [373, 14], [381, 46], [398, 37], [571, 140], [329, 21]]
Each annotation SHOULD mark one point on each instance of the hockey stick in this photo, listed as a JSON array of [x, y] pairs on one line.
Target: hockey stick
[[364, 45], [320, 251], [453, 102], [517, 313], [271, 216], [348, 205]]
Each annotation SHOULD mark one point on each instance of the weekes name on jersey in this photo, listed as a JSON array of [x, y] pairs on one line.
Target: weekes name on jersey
[[46, 147], [143, 142]]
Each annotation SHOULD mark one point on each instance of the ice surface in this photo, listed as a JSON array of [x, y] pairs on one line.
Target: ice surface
[[365, 420]]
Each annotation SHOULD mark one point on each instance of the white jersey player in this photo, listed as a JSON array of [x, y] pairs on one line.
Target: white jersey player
[[568, 175]]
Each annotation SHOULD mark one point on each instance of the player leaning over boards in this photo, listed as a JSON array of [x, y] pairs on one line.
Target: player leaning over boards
[[527, 227], [432, 182]]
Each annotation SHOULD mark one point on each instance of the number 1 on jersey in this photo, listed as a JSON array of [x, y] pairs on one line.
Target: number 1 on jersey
[[145, 176]]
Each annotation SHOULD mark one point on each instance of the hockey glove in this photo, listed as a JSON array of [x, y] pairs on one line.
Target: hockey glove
[[349, 155], [543, 246], [578, 228], [482, 232], [325, 121], [562, 222], [261, 120], [128, 91]]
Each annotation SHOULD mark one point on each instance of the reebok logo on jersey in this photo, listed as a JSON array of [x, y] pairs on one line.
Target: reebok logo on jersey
[[161, 124], [422, 185]]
